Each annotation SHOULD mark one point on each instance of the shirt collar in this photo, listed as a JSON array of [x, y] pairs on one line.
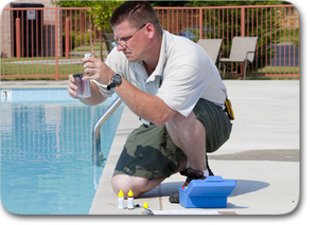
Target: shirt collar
[[162, 57]]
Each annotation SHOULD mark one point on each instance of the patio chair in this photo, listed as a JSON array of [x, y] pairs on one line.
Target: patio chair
[[108, 37], [211, 46], [242, 51]]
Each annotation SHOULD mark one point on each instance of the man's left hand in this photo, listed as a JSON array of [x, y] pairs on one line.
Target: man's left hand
[[97, 70]]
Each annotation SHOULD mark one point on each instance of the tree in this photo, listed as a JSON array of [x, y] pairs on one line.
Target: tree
[[215, 3], [100, 12]]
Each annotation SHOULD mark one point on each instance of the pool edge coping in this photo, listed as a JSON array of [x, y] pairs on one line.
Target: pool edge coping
[[33, 84]]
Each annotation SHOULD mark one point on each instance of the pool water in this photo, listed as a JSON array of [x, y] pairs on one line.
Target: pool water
[[46, 156]]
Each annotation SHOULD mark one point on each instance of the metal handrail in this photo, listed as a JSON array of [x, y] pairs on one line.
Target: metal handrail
[[96, 140]]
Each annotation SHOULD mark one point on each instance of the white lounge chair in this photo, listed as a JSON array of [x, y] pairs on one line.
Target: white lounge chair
[[242, 51], [211, 46]]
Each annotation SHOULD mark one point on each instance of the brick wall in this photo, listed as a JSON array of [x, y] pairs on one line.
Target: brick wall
[[47, 25], [5, 31]]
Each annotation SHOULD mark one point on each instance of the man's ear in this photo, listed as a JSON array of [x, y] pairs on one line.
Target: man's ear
[[150, 30]]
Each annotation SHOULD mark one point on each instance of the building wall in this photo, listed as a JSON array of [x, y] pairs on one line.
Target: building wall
[[46, 3], [48, 25], [5, 31]]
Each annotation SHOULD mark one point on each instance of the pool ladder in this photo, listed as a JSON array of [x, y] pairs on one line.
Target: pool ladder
[[96, 140]]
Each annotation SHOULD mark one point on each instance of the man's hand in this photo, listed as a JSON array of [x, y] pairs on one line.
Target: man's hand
[[97, 70], [72, 88]]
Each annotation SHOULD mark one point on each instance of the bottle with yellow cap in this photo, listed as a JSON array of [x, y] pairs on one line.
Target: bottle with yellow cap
[[146, 208], [130, 204], [120, 200], [145, 205]]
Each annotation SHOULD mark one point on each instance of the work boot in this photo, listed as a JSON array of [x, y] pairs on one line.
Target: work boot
[[191, 175]]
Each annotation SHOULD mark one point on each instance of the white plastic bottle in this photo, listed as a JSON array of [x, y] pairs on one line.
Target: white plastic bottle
[[120, 201], [130, 204], [87, 55]]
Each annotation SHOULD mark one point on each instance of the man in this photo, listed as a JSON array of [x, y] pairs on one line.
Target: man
[[173, 86]]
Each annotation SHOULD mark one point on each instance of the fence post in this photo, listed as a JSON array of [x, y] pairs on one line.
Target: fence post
[[200, 23], [56, 44], [67, 35], [17, 32], [242, 32], [242, 21]]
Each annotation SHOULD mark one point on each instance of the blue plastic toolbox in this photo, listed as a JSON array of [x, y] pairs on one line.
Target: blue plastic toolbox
[[209, 193]]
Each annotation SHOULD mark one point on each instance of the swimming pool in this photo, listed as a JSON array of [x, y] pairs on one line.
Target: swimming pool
[[46, 163]]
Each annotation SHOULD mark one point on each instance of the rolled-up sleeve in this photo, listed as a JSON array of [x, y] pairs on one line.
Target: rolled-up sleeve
[[103, 89]]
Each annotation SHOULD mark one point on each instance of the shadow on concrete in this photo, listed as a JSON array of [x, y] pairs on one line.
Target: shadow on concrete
[[242, 187], [247, 186], [292, 155]]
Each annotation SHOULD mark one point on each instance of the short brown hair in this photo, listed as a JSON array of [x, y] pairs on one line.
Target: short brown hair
[[137, 13]]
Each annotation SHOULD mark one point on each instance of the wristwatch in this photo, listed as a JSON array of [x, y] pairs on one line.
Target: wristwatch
[[116, 80]]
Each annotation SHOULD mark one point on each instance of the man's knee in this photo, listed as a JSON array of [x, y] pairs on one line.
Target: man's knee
[[119, 182], [125, 183]]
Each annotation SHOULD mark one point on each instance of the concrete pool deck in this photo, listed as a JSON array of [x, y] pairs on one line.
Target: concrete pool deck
[[263, 155]]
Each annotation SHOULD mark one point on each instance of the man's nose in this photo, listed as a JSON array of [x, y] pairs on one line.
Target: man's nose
[[120, 47]]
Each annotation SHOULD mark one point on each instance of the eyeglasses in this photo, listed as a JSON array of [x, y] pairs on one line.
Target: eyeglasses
[[123, 41]]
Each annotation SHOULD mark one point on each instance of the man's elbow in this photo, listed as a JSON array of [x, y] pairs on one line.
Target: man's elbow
[[162, 119], [159, 123]]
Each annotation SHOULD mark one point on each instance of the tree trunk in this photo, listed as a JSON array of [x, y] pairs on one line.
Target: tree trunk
[[92, 52]]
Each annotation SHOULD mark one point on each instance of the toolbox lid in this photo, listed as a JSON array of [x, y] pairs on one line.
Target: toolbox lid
[[212, 186]]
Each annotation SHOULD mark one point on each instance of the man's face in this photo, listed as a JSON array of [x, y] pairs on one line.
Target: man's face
[[132, 41]]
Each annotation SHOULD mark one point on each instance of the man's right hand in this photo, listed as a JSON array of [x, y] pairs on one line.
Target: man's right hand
[[72, 88], [96, 97]]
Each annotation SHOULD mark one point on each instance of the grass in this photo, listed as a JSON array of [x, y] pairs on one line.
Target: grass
[[96, 47], [279, 70], [29, 71], [37, 71], [48, 71], [8, 60]]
